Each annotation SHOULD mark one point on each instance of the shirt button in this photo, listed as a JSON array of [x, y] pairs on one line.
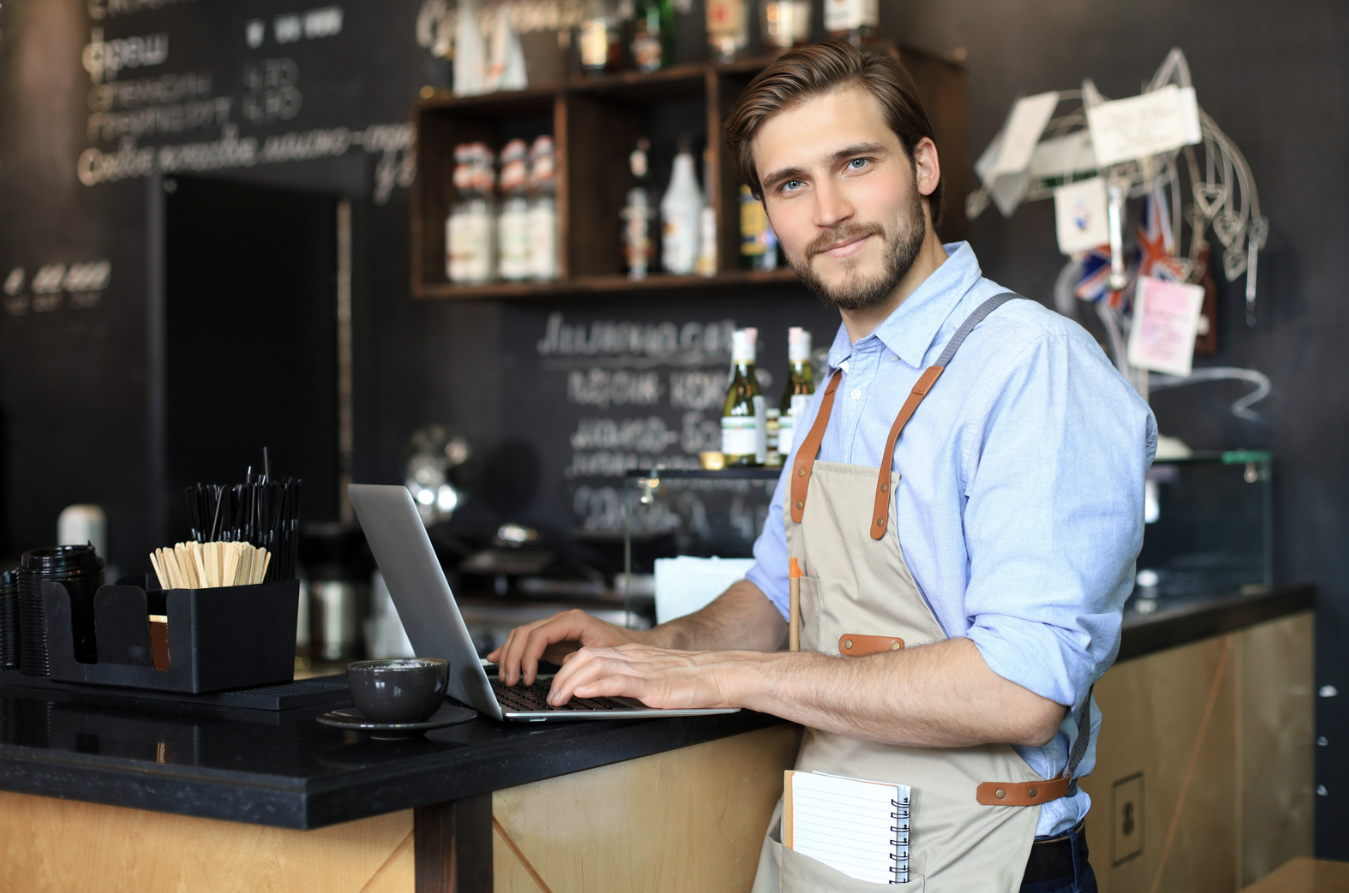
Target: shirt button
[[857, 393]]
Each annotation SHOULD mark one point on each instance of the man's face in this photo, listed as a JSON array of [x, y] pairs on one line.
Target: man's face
[[842, 196]]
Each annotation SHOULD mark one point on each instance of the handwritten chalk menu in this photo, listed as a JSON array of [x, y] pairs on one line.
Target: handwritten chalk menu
[[603, 388], [101, 102]]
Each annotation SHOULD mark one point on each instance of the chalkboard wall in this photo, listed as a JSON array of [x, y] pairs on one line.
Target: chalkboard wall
[[100, 99]]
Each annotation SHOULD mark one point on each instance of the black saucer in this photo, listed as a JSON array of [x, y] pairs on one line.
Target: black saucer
[[351, 719]]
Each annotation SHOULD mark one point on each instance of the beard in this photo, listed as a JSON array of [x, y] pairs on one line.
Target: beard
[[899, 250]]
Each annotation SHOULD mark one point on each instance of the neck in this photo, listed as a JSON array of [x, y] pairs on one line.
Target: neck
[[861, 323]]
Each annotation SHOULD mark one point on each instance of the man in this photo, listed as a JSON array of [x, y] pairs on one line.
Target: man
[[995, 534]]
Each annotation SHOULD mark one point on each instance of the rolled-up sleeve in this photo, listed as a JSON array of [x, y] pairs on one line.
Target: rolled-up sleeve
[[1056, 448]]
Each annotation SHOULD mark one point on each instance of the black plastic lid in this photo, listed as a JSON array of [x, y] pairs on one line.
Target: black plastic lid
[[61, 558]]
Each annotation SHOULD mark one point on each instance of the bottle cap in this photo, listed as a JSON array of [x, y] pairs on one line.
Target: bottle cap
[[798, 344], [743, 347]]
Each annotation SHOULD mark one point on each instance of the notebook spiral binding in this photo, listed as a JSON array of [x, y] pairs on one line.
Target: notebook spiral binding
[[900, 870]]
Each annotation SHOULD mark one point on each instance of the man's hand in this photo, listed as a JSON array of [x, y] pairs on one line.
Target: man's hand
[[553, 640], [658, 677], [741, 617]]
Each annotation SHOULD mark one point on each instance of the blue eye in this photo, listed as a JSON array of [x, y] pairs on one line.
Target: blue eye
[[790, 186], [857, 163]]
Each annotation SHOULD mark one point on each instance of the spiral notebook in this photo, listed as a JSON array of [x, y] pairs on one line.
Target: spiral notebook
[[858, 827]]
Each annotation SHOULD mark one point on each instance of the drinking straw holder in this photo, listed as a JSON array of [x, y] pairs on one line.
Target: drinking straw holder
[[216, 639]]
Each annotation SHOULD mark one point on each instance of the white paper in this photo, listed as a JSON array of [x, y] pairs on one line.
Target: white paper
[[1025, 124], [1165, 323], [1063, 157], [1144, 125], [847, 823], [686, 584], [1080, 216]]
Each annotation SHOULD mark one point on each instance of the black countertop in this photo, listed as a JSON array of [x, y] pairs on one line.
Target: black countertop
[[286, 770]]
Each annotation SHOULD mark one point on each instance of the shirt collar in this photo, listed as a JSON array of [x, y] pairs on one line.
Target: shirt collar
[[909, 331]]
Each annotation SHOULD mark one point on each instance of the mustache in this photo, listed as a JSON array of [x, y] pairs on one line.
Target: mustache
[[846, 233]]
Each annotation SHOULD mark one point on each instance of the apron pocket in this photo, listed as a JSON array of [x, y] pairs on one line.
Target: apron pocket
[[798, 873]]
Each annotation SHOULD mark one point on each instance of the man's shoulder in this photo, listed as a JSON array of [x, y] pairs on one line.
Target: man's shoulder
[[1022, 322]]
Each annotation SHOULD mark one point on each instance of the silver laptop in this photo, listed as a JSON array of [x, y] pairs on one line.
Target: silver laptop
[[433, 623]]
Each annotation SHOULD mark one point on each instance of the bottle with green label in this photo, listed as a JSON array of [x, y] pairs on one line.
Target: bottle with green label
[[744, 436], [796, 395]]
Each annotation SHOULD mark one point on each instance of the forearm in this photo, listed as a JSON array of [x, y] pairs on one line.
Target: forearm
[[741, 618], [940, 695]]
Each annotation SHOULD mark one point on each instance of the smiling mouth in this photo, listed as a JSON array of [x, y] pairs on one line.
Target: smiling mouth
[[844, 244]]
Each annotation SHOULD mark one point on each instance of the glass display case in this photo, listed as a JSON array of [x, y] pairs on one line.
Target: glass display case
[[688, 512], [1208, 528]]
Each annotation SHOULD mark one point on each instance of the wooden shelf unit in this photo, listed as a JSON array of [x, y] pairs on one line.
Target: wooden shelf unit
[[595, 123]]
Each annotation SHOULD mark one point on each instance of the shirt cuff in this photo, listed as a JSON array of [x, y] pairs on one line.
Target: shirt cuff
[[1035, 656]]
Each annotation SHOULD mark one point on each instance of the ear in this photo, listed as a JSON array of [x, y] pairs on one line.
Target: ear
[[926, 166]]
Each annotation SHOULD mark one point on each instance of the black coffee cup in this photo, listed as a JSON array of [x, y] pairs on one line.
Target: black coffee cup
[[398, 690]]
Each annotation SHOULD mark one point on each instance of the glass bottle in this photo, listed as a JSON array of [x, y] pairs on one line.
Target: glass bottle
[[727, 28], [513, 221], [653, 36], [680, 208], [706, 265], [744, 438], [541, 217], [637, 247], [455, 246], [758, 245], [597, 40], [478, 224], [786, 23], [796, 394], [857, 21]]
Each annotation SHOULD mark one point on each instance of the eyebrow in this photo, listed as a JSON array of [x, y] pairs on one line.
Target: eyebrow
[[789, 173]]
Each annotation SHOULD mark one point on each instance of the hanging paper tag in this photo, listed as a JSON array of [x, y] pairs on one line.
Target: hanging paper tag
[[1144, 125], [1165, 323], [1080, 212], [1024, 126]]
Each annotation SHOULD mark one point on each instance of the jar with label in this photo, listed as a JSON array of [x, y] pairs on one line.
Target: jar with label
[[513, 221], [541, 216], [597, 41], [474, 249]]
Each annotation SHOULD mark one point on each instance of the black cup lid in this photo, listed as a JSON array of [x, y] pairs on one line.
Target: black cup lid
[[60, 558]]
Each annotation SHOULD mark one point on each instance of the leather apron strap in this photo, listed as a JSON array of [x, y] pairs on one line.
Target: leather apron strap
[[810, 447]]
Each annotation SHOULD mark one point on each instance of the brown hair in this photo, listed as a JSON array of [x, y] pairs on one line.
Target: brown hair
[[816, 70]]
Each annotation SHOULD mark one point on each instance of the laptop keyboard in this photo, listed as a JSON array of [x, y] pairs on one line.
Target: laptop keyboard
[[534, 699]]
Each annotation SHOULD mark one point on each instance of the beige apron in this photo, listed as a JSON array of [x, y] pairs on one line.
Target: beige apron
[[858, 595]]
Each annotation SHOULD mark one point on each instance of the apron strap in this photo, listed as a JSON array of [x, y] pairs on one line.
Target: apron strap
[[810, 447], [1029, 793], [880, 513]]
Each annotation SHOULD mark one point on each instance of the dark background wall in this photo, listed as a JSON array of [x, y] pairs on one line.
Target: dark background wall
[[75, 373]]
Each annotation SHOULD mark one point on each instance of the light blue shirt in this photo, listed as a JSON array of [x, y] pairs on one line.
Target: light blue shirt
[[1020, 505]]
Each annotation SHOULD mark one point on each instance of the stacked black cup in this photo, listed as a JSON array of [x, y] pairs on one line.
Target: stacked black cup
[[81, 569], [9, 621]]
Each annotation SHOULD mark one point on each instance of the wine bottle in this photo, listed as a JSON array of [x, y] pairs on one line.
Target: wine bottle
[[653, 38], [743, 419], [796, 395], [706, 264]]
